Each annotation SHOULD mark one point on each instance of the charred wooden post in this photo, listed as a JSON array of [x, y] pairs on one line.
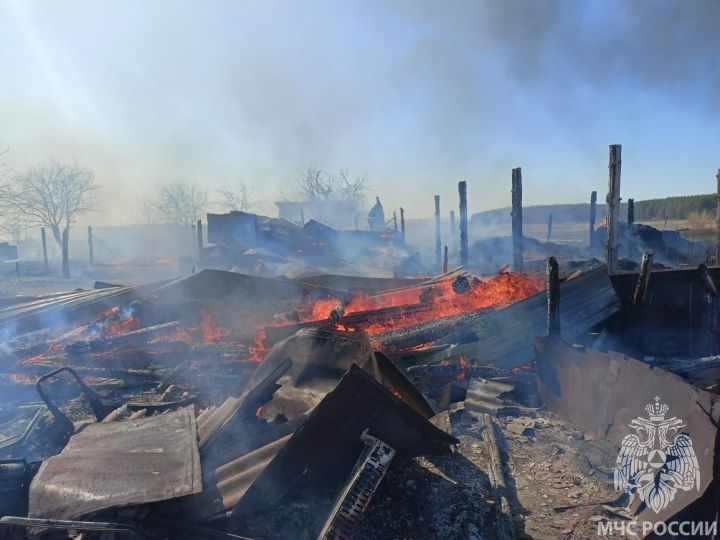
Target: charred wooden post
[[643, 279], [516, 214], [91, 256], [453, 232], [66, 252], [613, 203], [302, 218], [199, 238], [593, 215], [395, 224], [505, 522], [549, 229], [44, 248], [445, 261], [717, 221], [438, 239], [553, 297], [462, 191], [631, 214], [402, 224], [630, 224]]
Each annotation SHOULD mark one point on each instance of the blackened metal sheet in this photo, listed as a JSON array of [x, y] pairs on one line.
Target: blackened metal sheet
[[600, 394], [504, 337], [315, 462], [117, 464]]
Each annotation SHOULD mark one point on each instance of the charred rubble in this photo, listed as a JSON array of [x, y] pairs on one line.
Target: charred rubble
[[322, 404]]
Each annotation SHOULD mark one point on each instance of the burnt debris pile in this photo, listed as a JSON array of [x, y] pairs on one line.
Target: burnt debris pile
[[225, 405]]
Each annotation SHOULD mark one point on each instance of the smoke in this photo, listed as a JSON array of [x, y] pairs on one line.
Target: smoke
[[416, 94]]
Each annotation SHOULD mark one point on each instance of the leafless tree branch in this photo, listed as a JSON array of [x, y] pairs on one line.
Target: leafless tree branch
[[178, 202], [238, 196]]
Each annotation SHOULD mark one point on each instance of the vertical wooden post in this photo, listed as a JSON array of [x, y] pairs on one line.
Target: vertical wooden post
[[613, 203], [395, 224], [44, 247], [553, 297], [438, 239], [199, 238], [402, 224], [66, 252], [717, 221], [302, 217], [643, 279], [549, 230], [445, 261], [517, 234], [462, 191], [631, 214], [91, 255], [453, 232], [593, 215]]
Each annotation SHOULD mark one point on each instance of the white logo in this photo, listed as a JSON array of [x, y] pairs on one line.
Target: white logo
[[656, 460]]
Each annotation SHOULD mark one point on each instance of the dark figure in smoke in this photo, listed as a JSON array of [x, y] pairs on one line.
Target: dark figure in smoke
[[376, 217]]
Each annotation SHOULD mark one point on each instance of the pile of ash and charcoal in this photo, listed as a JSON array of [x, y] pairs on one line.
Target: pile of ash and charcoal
[[222, 405]]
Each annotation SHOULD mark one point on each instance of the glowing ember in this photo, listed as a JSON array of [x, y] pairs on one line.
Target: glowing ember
[[205, 332], [436, 302]]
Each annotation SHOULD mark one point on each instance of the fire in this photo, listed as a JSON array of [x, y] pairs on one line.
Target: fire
[[205, 332], [437, 301], [115, 322]]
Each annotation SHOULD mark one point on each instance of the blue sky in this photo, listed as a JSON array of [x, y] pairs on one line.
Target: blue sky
[[416, 94]]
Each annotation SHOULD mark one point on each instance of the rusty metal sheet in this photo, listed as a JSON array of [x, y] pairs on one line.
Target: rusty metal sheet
[[118, 464], [601, 394]]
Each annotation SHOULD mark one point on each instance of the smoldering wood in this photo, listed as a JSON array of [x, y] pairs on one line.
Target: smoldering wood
[[552, 273], [462, 192], [506, 527], [438, 239], [516, 215], [593, 215], [91, 256], [45, 255], [613, 203], [641, 287]]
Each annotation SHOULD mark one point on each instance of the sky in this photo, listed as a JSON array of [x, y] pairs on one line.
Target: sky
[[413, 93]]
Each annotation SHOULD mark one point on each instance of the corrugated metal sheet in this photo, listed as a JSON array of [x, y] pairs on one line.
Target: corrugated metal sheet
[[601, 394], [505, 337], [120, 464]]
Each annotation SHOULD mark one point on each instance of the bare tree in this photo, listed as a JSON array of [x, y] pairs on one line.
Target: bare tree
[[51, 195], [238, 196], [178, 202], [317, 184]]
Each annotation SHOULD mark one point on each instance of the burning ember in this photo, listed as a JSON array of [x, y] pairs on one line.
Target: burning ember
[[116, 321], [438, 301]]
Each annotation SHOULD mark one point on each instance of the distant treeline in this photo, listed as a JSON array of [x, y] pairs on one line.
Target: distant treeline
[[649, 210]]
